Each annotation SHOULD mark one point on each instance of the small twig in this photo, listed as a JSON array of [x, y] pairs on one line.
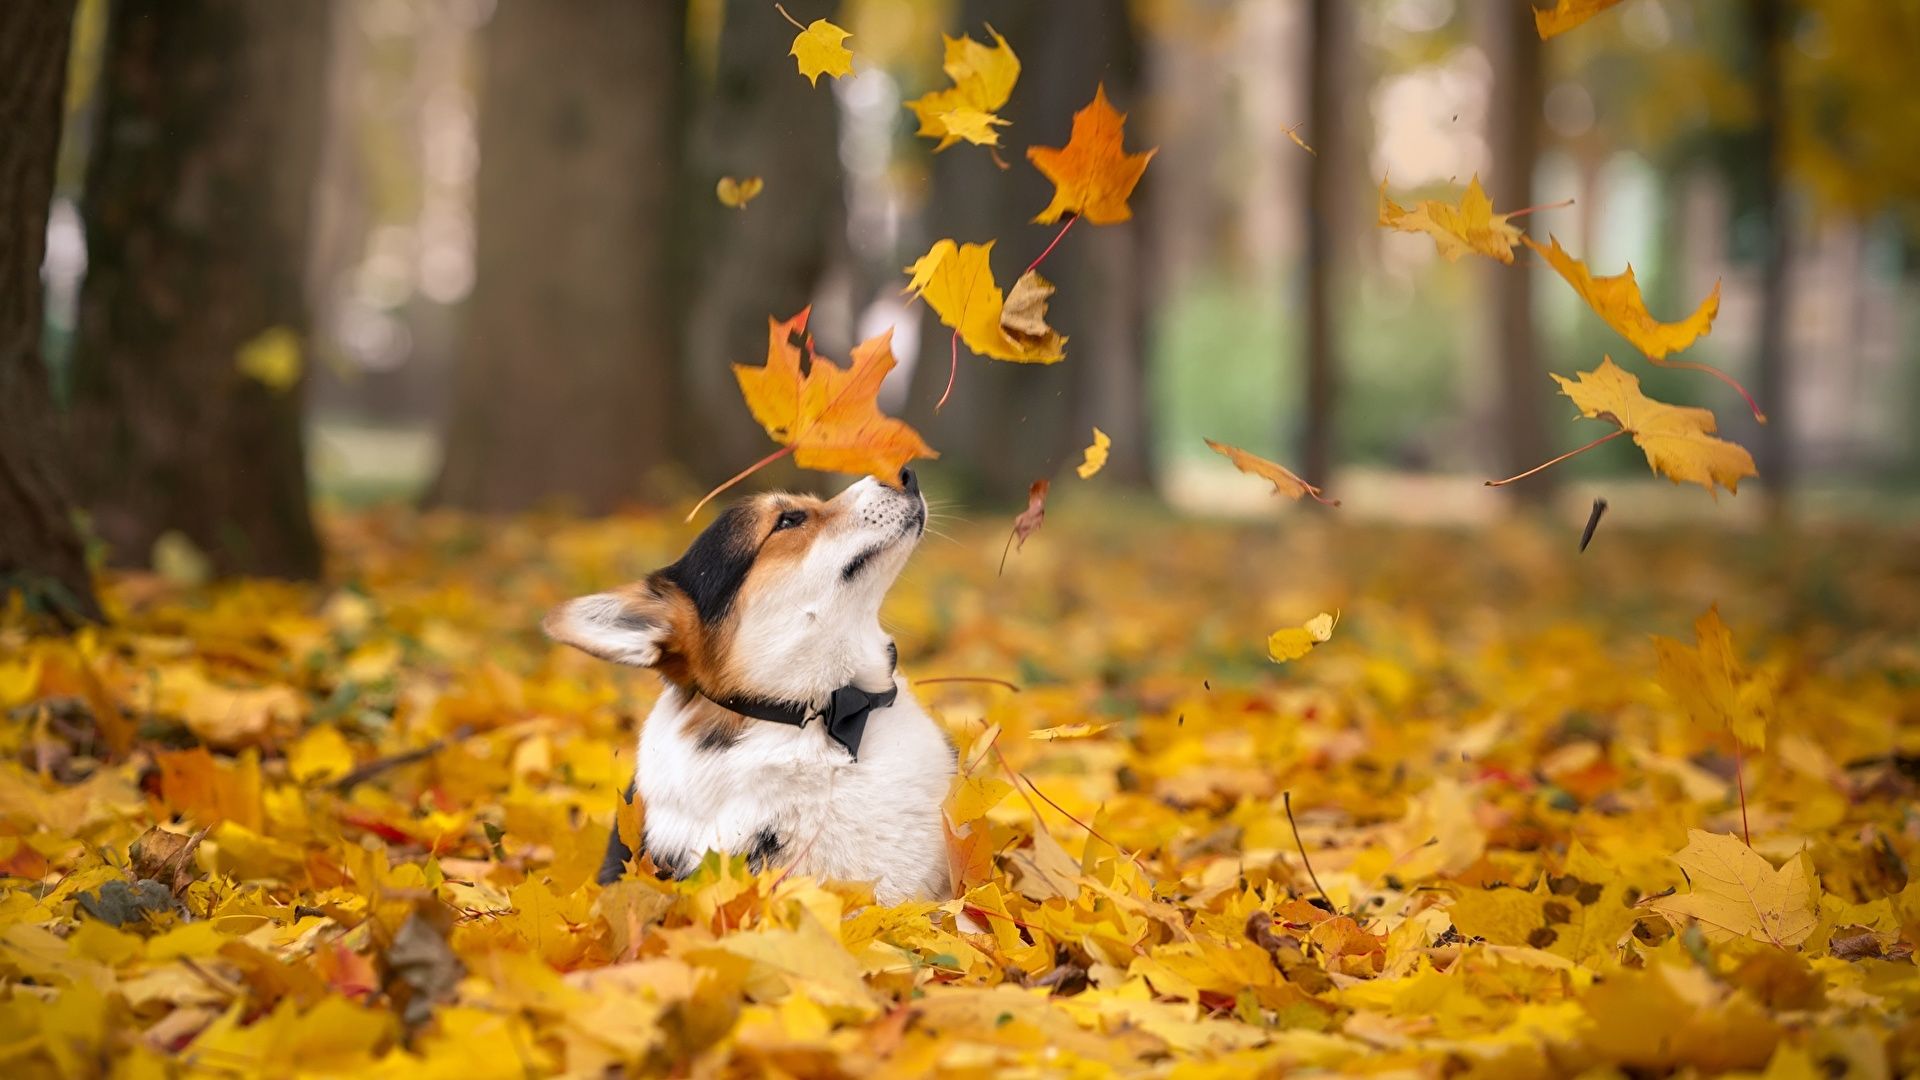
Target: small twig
[[1593, 522], [1286, 799], [1558, 460], [968, 679], [1018, 776], [406, 757]]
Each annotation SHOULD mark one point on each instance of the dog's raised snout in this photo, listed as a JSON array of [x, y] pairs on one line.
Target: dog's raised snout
[[909, 483]]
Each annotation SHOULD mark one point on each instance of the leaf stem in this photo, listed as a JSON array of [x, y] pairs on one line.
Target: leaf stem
[[953, 371], [967, 679], [1286, 799], [1558, 460], [789, 18], [1524, 211], [1740, 778], [1061, 235], [739, 476], [1692, 365]]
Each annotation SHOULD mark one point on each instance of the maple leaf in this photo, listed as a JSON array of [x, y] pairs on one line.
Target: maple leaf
[[827, 414], [738, 193], [1029, 520], [1566, 14], [1092, 175], [983, 78], [956, 280], [1294, 642], [1096, 455], [817, 50], [1709, 683], [1471, 227], [1617, 299], [1284, 480], [1737, 893], [1677, 439]]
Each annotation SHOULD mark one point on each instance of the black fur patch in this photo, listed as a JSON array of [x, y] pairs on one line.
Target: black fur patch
[[859, 563], [893, 657], [766, 845], [614, 866], [715, 739], [715, 566], [672, 864]]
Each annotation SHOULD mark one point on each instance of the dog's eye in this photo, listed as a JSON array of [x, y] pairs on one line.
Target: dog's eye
[[791, 519]]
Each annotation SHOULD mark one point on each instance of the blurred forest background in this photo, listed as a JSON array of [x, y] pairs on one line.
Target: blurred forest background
[[468, 252]]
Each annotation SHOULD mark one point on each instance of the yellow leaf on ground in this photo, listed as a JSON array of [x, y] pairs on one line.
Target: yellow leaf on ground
[[1738, 893], [956, 280], [1092, 175], [738, 193], [983, 78], [973, 796], [1294, 642], [321, 754], [1068, 731], [1617, 299], [818, 51], [1285, 481], [1566, 14], [1096, 455], [830, 415], [1708, 681], [1471, 227], [1677, 439]]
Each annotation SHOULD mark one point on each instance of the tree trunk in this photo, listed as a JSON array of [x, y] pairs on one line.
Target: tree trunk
[[40, 551], [1322, 365], [758, 118], [1514, 117], [197, 206], [567, 385], [1008, 424], [1767, 20]]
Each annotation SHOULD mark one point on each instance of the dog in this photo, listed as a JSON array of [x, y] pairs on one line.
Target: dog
[[782, 731]]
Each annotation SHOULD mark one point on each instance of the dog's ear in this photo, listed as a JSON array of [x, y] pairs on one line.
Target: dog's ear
[[636, 625]]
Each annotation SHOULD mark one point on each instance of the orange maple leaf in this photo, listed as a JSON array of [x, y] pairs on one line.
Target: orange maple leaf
[[826, 416], [1285, 481], [1092, 175]]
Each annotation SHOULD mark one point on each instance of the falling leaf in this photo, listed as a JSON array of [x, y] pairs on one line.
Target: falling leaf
[[1471, 227], [818, 51], [1293, 133], [1096, 455], [983, 78], [179, 560], [1617, 300], [1092, 175], [1294, 642], [1567, 14], [1024, 317], [738, 193], [1029, 520], [957, 282], [272, 359], [1284, 481], [1737, 893], [1068, 731], [1677, 439], [829, 414], [1708, 681]]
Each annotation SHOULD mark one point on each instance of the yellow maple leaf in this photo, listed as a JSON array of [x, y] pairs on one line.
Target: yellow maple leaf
[[1096, 455], [1579, 915], [973, 796], [1092, 175], [817, 50], [1471, 227], [1294, 642], [1285, 481], [1677, 439], [1617, 299], [321, 754], [738, 193], [956, 280], [983, 78], [1736, 893], [1710, 684], [1566, 14]]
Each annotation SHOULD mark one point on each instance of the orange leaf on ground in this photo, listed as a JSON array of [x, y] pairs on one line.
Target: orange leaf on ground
[[829, 414], [1677, 439], [1285, 481], [1092, 175], [1567, 14], [1471, 226]]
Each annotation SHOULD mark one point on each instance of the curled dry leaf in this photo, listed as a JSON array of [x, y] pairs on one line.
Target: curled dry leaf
[[956, 280], [1471, 226], [1092, 175], [1677, 439], [1096, 455], [1029, 520], [738, 193], [1294, 642], [1284, 480], [983, 78], [1024, 315]]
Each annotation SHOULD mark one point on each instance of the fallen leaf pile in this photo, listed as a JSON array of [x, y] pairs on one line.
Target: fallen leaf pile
[[352, 829]]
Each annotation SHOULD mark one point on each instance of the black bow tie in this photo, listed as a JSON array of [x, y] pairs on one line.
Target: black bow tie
[[845, 714]]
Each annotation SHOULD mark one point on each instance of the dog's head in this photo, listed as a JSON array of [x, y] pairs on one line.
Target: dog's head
[[779, 598]]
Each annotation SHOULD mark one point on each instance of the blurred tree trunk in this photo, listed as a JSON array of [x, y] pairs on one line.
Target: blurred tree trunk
[[197, 205], [1767, 19], [40, 551], [758, 118], [567, 386], [1009, 424], [1514, 117], [1320, 351]]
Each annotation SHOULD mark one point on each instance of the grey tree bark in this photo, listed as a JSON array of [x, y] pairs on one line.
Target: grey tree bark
[[1514, 119]]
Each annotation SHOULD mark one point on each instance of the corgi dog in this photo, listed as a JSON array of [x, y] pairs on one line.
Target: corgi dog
[[782, 731]]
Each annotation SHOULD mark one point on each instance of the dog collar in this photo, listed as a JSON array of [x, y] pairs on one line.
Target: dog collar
[[845, 713]]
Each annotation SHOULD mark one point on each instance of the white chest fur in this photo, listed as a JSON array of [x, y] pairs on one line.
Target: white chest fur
[[795, 796]]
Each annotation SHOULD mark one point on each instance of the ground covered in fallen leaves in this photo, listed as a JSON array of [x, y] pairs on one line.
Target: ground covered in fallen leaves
[[352, 829]]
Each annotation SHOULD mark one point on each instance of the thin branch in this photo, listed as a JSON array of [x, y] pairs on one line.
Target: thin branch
[[394, 761], [1558, 460], [1286, 799]]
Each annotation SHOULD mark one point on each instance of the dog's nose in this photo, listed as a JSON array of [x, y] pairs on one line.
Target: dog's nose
[[909, 483]]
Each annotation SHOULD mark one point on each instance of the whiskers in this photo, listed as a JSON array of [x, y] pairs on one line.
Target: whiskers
[[937, 516]]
